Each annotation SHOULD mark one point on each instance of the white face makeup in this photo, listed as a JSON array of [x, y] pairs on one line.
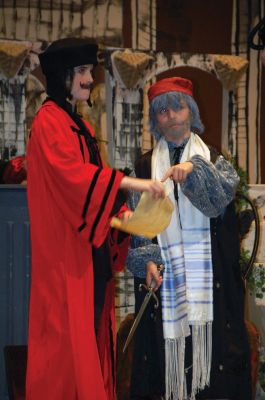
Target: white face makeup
[[82, 82]]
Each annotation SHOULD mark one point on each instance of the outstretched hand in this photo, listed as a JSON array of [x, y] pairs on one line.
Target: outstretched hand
[[154, 187], [179, 172]]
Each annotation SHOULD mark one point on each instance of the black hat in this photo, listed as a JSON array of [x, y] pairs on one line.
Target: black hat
[[68, 53], [260, 30]]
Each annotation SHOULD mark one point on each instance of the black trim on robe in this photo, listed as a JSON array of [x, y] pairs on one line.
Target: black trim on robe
[[91, 141], [102, 274], [103, 204], [88, 198], [95, 159], [80, 142], [101, 256]]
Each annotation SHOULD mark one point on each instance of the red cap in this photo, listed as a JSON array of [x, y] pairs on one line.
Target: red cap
[[174, 84]]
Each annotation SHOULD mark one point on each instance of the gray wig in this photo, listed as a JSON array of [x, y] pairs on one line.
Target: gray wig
[[174, 100]]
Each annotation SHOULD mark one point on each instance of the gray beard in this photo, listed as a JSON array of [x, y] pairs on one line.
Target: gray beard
[[176, 133]]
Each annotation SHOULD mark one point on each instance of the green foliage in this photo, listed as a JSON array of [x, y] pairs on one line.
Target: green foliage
[[244, 258], [242, 189], [256, 278], [256, 281]]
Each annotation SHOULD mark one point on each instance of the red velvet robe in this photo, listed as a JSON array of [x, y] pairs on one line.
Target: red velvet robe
[[64, 362]]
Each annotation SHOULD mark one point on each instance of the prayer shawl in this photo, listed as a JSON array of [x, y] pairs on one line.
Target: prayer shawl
[[186, 293]]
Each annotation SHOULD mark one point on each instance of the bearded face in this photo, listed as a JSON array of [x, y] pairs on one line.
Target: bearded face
[[174, 124]]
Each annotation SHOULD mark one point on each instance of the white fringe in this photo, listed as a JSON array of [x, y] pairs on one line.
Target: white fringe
[[209, 351], [201, 357], [201, 365], [175, 374]]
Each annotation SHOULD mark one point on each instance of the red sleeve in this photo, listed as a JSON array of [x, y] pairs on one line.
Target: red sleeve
[[15, 171], [84, 193]]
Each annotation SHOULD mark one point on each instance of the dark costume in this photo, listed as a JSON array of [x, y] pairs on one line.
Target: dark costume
[[230, 373], [71, 196]]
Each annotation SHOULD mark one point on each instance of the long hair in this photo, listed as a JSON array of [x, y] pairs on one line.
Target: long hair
[[174, 101], [59, 84]]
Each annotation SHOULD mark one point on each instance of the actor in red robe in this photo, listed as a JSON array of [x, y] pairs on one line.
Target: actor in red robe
[[72, 197]]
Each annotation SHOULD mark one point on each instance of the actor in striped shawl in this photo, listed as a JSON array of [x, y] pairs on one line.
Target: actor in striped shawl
[[72, 196], [201, 293]]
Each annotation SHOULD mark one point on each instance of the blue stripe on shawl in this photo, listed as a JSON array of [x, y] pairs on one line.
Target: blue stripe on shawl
[[173, 306], [201, 287], [199, 302], [192, 265], [171, 245], [175, 282], [197, 229], [187, 242], [175, 320]]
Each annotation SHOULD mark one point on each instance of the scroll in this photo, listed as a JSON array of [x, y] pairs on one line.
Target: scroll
[[150, 217]]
